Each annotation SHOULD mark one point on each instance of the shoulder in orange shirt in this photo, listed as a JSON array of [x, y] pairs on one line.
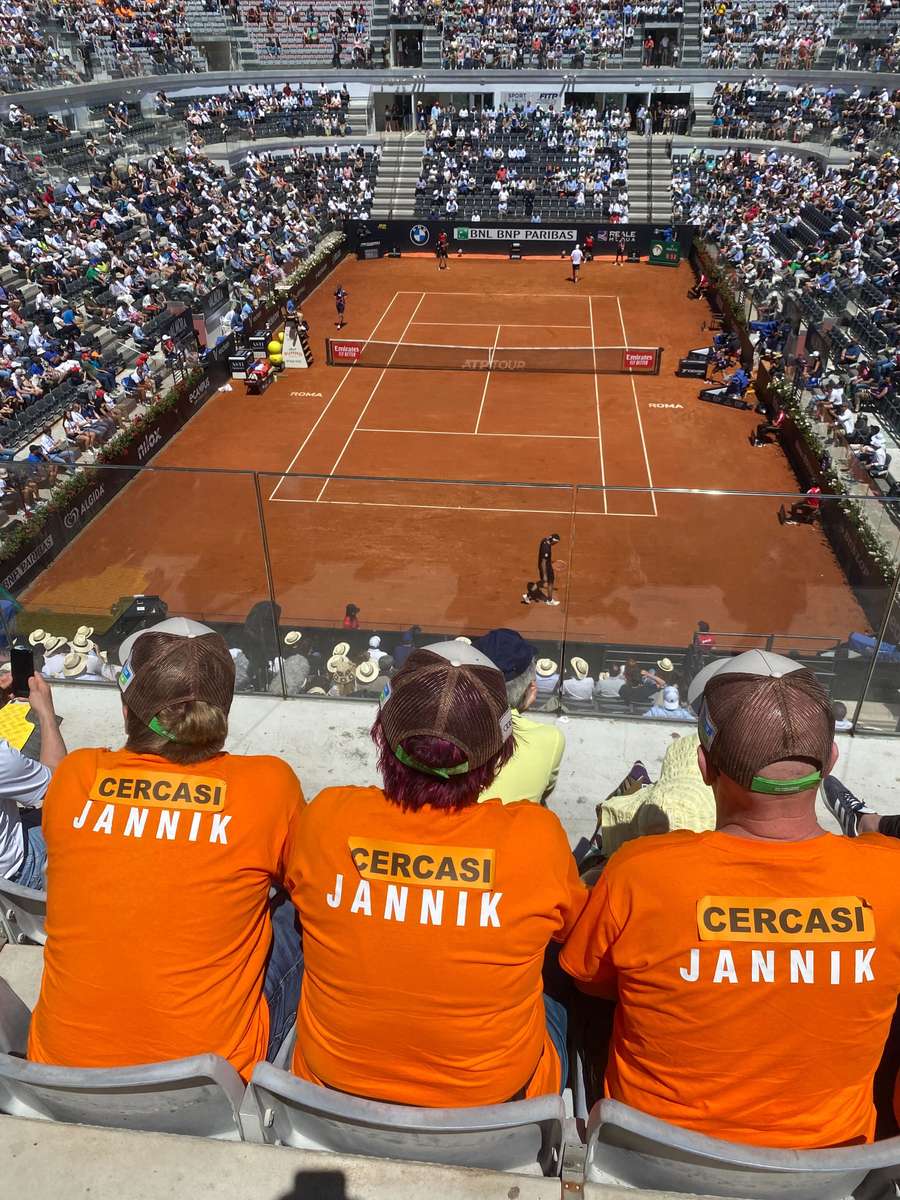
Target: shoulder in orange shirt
[[756, 981], [157, 907], [424, 936]]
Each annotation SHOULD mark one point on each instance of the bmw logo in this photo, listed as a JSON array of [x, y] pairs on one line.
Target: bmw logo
[[420, 235]]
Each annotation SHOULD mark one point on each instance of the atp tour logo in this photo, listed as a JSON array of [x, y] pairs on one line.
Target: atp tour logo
[[420, 235]]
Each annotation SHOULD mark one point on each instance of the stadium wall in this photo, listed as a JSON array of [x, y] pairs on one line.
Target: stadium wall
[[496, 237]]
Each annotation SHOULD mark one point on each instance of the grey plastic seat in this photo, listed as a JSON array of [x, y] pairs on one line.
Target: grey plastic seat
[[14, 1021], [200, 1096], [282, 1110], [22, 913], [629, 1148]]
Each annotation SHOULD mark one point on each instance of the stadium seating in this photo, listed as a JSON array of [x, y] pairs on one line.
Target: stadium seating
[[502, 1137], [198, 1096], [628, 1147], [22, 913]]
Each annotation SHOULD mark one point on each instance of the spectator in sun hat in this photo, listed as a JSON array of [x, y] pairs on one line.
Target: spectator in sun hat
[[740, 970], [546, 677], [370, 678], [294, 664], [343, 674], [579, 685], [532, 771], [417, 990], [135, 832]]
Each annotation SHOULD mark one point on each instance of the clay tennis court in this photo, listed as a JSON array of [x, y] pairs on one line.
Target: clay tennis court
[[359, 499]]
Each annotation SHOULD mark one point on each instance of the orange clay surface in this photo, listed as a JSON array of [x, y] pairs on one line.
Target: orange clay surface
[[418, 547]]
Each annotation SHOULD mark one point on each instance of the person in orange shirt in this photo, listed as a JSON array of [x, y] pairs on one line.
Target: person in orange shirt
[[756, 966], [425, 918], [160, 942]]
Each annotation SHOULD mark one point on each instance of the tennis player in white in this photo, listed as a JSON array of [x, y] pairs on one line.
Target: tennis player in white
[[577, 257]]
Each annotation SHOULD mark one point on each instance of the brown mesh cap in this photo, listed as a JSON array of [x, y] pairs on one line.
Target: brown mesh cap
[[748, 722], [165, 669], [462, 703]]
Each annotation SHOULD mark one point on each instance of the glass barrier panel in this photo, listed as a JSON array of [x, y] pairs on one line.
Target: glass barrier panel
[[113, 549], [660, 580], [879, 711], [356, 557]]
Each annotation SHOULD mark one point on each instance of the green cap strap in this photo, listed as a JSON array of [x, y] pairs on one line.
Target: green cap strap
[[161, 730], [441, 772], [785, 787]]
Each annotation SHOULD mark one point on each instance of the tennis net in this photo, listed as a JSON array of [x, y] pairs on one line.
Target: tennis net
[[420, 356]]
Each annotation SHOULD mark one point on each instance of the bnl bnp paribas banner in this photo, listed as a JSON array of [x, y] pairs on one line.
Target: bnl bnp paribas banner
[[411, 236]]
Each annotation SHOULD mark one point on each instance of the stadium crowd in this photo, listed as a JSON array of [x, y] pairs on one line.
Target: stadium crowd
[[759, 108], [264, 110], [344, 35], [335, 914], [783, 35], [515, 160], [89, 267]]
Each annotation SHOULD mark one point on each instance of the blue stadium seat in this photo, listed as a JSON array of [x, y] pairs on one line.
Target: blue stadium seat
[[281, 1110], [631, 1149]]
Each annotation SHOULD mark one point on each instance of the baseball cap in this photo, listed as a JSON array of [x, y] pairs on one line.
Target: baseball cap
[[507, 650], [670, 698], [760, 708], [174, 662], [461, 702], [458, 652]]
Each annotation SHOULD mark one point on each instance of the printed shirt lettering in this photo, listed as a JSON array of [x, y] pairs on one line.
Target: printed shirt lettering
[[423, 865], [786, 919], [158, 789]]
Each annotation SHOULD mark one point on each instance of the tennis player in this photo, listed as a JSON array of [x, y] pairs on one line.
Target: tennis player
[[577, 257], [340, 304], [441, 250], [545, 566]]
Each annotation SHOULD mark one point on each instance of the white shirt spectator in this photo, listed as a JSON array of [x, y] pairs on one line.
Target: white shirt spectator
[[23, 784]]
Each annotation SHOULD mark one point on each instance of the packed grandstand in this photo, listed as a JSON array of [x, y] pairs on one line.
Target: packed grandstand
[[446, 921]]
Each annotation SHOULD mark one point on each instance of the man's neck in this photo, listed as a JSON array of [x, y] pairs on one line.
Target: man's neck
[[800, 828]]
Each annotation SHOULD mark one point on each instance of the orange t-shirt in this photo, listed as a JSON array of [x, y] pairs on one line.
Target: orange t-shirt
[[756, 981], [158, 907], [423, 937]]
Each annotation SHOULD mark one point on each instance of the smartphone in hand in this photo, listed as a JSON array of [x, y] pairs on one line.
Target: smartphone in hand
[[21, 662]]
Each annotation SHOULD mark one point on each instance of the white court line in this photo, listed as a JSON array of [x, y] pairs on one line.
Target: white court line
[[546, 512], [565, 437], [503, 325], [365, 409], [487, 379], [518, 295], [637, 410], [290, 465], [597, 406]]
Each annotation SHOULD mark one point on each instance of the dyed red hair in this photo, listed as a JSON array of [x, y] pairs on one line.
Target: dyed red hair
[[413, 789]]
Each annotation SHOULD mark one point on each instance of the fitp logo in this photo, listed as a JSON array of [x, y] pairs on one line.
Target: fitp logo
[[420, 235]]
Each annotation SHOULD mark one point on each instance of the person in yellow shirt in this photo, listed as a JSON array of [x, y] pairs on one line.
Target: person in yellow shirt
[[532, 771]]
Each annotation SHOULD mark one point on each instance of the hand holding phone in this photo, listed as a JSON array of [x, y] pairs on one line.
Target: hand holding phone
[[21, 661]]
